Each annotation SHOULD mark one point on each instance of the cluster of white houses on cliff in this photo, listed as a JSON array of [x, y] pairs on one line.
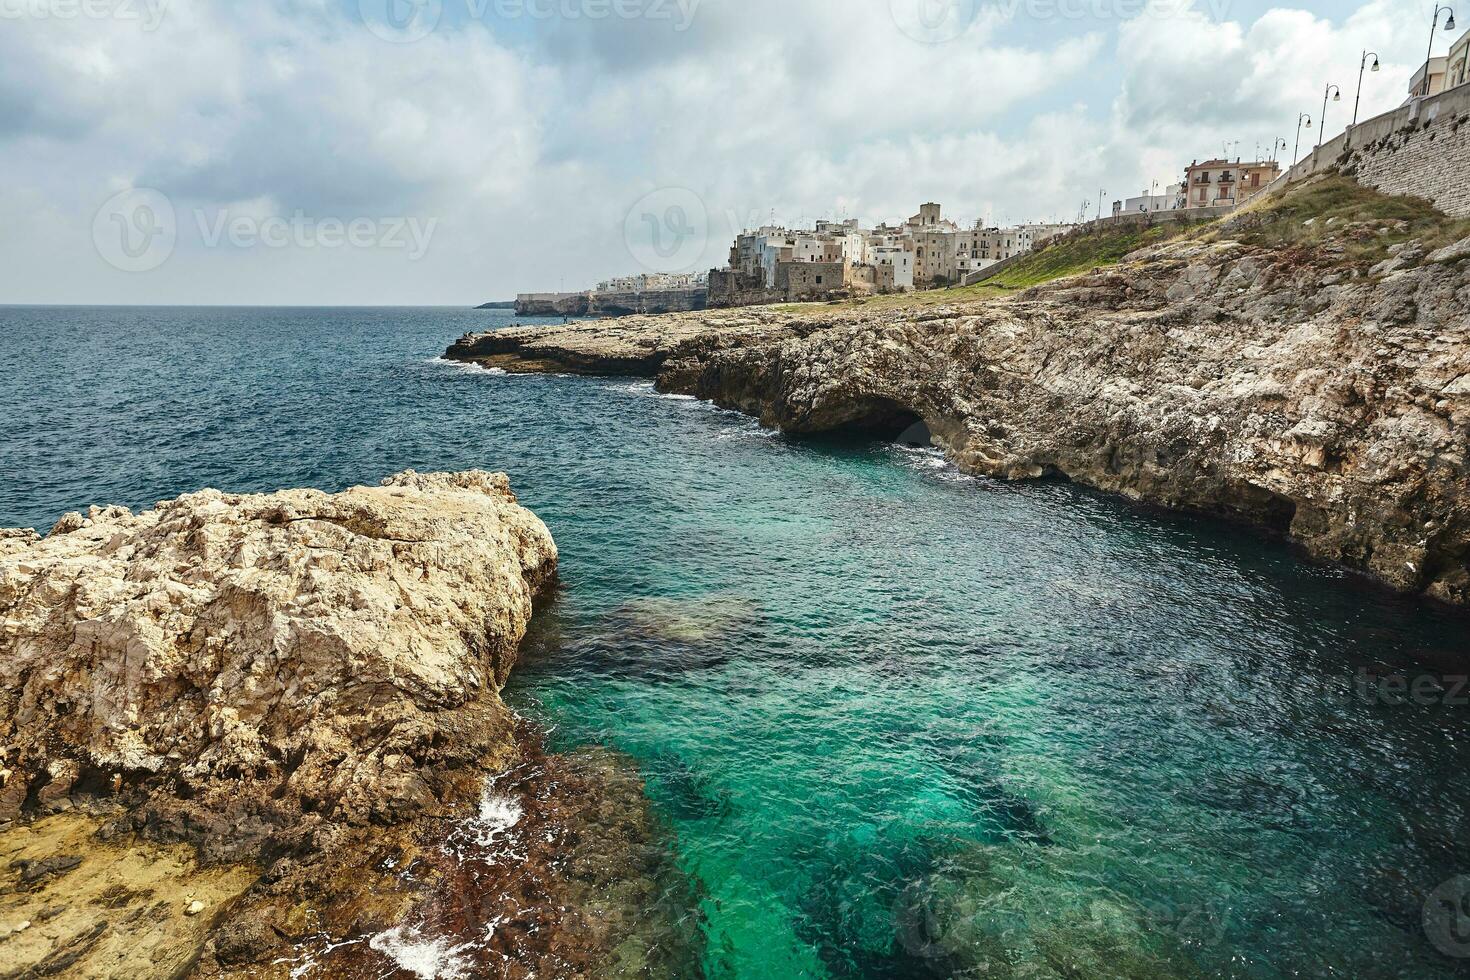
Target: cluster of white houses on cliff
[[777, 264], [783, 265]]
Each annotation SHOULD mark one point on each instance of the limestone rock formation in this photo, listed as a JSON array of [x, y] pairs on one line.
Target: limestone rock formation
[[258, 673], [1216, 378], [1296, 388], [636, 345]]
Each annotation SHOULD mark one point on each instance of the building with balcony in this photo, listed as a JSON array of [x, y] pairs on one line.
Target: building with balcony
[[1221, 183]]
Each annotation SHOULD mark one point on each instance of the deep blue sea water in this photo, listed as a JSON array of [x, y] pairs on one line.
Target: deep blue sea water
[[902, 722]]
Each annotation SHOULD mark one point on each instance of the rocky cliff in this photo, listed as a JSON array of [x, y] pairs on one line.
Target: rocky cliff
[[1306, 371], [303, 686], [254, 670]]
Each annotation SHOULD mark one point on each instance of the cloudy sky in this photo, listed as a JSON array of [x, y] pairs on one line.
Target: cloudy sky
[[449, 152]]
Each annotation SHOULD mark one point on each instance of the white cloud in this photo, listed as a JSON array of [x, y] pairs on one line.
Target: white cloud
[[529, 140], [1206, 82]]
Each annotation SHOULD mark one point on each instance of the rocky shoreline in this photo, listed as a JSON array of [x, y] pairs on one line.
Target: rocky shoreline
[[261, 725], [1319, 389]]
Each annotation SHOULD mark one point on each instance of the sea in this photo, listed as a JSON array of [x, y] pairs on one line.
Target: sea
[[898, 721]]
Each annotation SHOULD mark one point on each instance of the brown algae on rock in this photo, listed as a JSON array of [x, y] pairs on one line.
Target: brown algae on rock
[[106, 909]]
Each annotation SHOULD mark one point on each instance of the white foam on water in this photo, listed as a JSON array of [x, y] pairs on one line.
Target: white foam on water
[[930, 459], [305, 964], [498, 814], [427, 959], [464, 367], [646, 389], [753, 431]]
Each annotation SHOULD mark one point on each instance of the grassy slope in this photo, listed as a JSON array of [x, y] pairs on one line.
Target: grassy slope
[[1335, 210], [1076, 253], [1084, 252]]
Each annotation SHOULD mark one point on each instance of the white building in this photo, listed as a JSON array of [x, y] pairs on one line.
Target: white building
[[654, 282], [1169, 200], [895, 266], [926, 249]]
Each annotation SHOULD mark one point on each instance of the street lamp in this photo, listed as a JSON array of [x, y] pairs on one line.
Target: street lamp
[[1100, 193], [1334, 93], [1361, 67], [1434, 26], [1277, 144], [1296, 153]]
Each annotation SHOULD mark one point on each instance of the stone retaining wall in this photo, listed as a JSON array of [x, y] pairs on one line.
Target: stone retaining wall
[[1422, 149]]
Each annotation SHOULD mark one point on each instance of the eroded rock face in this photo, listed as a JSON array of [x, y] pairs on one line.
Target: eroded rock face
[[635, 345], [1287, 387], [259, 673], [1214, 378]]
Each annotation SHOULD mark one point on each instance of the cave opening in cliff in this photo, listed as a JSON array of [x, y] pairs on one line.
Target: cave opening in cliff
[[887, 420]]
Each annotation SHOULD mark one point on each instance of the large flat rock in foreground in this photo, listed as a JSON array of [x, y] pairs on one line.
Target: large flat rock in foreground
[[251, 672]]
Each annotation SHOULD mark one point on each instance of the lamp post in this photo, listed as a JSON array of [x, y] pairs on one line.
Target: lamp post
[[1296, 153], [1278, 144], [1434, 26], [1335, 94], [1361, 68], [1100, 193]]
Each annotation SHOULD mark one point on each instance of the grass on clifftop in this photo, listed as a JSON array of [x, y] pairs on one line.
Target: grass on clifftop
[[1083, 252], [1076, 253], [1335, 210]]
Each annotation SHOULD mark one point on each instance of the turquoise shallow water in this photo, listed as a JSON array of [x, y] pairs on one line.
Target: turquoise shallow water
[[902, 723]]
